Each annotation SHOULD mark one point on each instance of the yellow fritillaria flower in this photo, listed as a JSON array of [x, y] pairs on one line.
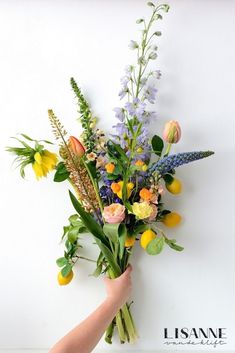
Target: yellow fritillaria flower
[[43, 163]]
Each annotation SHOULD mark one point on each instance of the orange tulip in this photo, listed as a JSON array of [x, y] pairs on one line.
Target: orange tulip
[[76, 146]]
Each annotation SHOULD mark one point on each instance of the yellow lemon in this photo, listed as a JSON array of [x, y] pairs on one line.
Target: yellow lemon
[[175, 187], [64, 280], [171, 219], [130, 241], [146, 237]]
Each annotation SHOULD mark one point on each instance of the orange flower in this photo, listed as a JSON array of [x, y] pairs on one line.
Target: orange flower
[[139, 163], [76, 146], [115, 187], [145, 194], [110, 167]]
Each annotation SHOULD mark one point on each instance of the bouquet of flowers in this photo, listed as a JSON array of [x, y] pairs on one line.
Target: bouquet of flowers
[[119, 181]]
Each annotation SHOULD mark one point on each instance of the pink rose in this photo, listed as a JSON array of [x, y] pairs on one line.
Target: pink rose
[[114, 213], [154, 212], [172, 131]]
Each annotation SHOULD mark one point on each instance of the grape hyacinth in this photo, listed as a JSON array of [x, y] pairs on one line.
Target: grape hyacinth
[[164, 165]]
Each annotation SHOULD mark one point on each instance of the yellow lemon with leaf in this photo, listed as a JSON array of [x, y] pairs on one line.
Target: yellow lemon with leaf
[[171, 219], [64, 280], [146, 237], [175, 187]]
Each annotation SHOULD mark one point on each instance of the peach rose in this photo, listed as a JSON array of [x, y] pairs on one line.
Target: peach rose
[[114, 213]]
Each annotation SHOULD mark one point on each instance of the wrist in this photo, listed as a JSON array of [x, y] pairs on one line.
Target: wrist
[[114, 302]]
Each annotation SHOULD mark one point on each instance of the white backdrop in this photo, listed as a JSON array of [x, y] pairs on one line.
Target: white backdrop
[[43, 44]]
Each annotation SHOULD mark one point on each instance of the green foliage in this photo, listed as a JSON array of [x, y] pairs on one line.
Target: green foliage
[[172, 244], [86, 117], [168, 178], [88, 220], [155, 246], [66, 270], [25, 154], [157, 144], [62, 261], [61, 173]]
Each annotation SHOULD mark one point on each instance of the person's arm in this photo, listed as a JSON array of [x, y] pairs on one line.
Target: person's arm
[[85, 336]]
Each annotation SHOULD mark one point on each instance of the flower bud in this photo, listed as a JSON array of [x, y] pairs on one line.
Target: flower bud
[[76, 146], [172, 132]]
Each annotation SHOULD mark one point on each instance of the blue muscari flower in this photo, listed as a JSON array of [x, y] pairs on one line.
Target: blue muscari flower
[[164, 165]]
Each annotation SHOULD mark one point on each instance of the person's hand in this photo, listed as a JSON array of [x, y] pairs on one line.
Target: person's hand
[[119, 289]]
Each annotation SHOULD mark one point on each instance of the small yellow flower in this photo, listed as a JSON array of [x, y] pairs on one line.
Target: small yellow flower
[[43, 163], [144, 167], [110, 167], [117, 188], [142, 209], [139, 150], [130, 241]]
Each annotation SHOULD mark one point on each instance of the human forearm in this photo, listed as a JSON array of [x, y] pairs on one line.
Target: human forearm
[[85, 336]]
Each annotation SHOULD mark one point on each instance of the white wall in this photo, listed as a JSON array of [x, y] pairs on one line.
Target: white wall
[[43, 44]]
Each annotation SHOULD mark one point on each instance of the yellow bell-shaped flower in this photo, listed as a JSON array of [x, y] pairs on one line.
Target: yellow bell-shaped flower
[[43, 163]]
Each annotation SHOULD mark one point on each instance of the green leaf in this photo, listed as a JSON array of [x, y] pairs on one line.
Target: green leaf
[[61, 261], [27, 137], [155, 246], [98, 234], [128, 206], [73, 234], [92, 168], [141, 228], [111, 231], [115, 150], [66, 270], [168, 178], [66, 229], [88, 220], [61, 173], [97, 271], [157, 144], [171, 244], [164, 212], [109, 257], [122, 232]]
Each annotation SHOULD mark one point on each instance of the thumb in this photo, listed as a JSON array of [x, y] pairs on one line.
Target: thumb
[[128, 270]]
